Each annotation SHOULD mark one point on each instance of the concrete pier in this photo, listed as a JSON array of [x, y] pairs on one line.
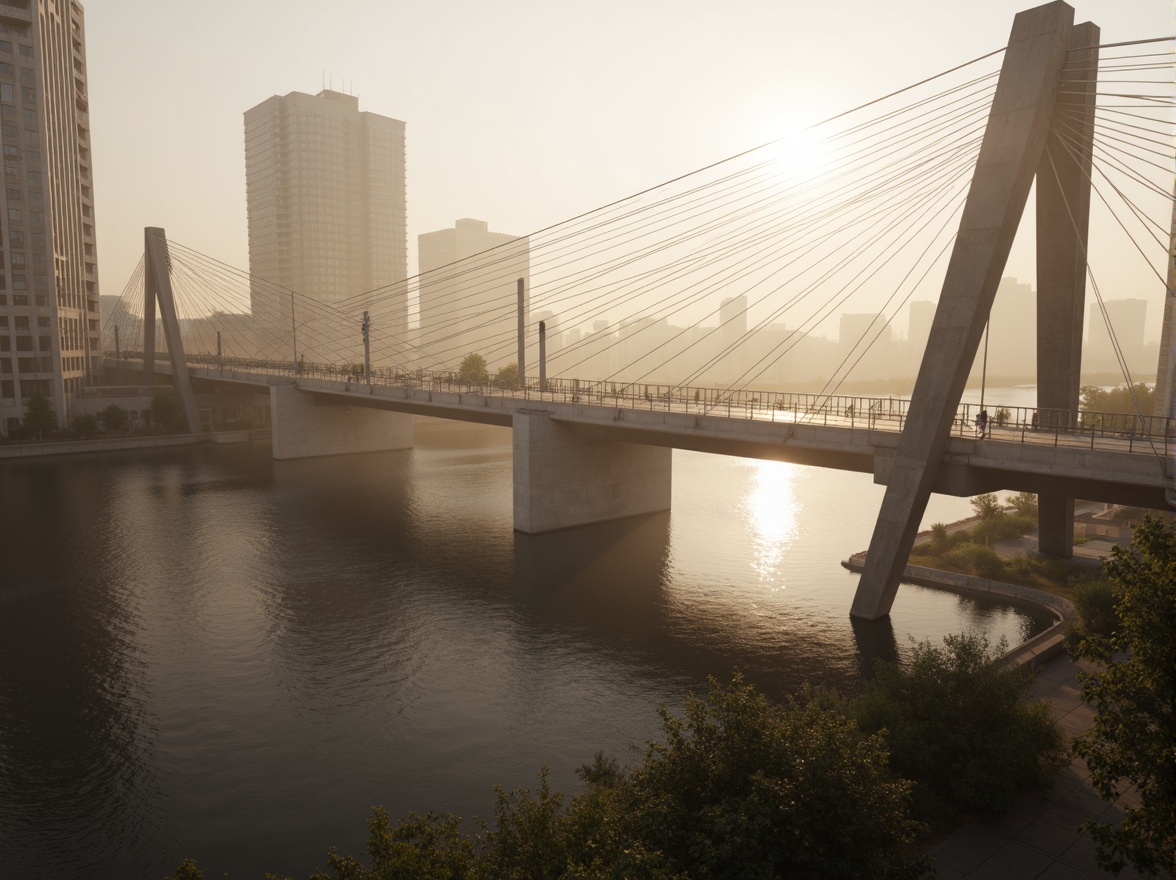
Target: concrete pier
[[565, 477], [304, 428]]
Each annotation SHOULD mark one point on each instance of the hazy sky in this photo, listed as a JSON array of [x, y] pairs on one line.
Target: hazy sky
[[518, 113]]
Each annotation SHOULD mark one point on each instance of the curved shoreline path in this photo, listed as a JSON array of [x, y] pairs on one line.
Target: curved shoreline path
[[1037, 837]]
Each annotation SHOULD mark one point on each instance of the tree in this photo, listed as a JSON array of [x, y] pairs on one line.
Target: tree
[[1132, 741], [473, 370], [39, 418], [115, 418], [508, 376], [1136, 399], [987, 506], [960, 726], [743, 787], [85, 425], [1025, 503], [165, 410]]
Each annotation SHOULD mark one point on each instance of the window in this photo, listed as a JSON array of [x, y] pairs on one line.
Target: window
[[6, 93], [18, 283], [28, 96], [15, 238], [9, 131], [5, 344], [7, 391], [3, 322], [18, 260], [5, 46], [45, 343], [32, 138], [26, 51], [21, 322], [24, 343], [11, 153], [6, 69], [43, 322], [13, 195], [14, 215], [28, 76]]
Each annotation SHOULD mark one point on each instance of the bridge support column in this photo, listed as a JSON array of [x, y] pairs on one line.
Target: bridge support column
[[1063, 220], [304, 429], [1012, 150], [563, 478]]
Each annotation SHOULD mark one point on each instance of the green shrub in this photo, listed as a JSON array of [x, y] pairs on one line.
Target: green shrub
[[1025, 503], [960, 726], [975, 560], [987, 506], [1001, 528]]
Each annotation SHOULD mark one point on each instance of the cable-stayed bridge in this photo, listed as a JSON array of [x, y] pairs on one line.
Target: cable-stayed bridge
[[702, 292]]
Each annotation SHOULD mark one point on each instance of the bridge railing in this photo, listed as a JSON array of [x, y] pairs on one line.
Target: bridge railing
[[1092, 430]]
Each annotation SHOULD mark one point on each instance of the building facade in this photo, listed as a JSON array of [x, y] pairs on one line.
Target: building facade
[[326, 199], [50, 335], [469, 294]]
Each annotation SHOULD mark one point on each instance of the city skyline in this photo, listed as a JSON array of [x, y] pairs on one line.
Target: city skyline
[[504, 122]]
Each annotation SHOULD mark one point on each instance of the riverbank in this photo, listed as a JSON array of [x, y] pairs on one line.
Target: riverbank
[[123, 444]]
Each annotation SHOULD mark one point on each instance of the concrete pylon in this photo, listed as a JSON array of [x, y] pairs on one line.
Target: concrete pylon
[[1014, 141], [157, 287], [1063, 220]]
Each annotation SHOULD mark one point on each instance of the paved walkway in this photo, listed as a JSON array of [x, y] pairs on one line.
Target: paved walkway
[[1036, 838]]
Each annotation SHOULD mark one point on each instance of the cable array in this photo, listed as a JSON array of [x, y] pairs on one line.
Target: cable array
[[726, 275]]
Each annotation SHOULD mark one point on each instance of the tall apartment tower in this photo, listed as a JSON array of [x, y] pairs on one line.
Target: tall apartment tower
[[469, 293], [50, 339], [325, 189]]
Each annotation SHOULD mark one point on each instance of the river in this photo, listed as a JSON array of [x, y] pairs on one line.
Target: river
[[205, 653]]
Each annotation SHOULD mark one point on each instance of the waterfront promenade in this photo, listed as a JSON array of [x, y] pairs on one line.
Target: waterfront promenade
[[1037, 838]]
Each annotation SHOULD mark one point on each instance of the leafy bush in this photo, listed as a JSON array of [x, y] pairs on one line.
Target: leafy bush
[[960, 726], [976, 560], [1001, 528], [1095, 600]]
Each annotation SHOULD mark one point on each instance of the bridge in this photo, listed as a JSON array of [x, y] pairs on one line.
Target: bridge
[[925, 186]]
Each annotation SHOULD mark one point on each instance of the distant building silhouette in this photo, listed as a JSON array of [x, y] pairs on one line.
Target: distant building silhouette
[[325, 186], [50, 335], [469, 294], [1128, 318]]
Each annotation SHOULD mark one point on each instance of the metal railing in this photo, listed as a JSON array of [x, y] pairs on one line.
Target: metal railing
[[1090, 430]]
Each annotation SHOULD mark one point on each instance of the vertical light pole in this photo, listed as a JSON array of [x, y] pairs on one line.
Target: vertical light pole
[[220, 365], [542, 355], [293, 331], [367, 348], [522, 338]]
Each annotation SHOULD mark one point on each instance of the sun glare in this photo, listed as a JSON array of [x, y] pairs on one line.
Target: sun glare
[[800, 154]]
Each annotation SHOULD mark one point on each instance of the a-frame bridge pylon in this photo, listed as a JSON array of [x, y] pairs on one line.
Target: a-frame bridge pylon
[[1013, 152], [157, 287]]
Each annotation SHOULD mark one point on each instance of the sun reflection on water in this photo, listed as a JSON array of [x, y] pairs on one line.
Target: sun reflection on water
[[772, 513]]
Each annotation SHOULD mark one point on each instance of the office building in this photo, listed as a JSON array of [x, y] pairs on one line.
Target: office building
[[469, 294], [325, 190], [50, 338]]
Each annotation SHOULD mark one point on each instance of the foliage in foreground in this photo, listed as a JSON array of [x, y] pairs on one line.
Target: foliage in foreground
[[961, 726], [1132, 741], [741, 787]]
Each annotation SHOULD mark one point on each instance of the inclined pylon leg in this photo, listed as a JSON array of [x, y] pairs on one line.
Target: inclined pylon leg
[[1009, 156]]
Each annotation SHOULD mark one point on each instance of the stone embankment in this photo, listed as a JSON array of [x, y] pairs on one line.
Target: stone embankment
[[1042, 647]]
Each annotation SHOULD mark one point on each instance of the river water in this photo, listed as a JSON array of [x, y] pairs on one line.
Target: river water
[[205, 653]]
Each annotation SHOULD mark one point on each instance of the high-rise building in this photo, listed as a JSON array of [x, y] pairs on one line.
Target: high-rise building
[[325, 190], [50, 338], [469, 293], [1128, 318]]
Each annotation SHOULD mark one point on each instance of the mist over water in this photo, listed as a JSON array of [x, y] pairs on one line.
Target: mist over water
[[205, 653]]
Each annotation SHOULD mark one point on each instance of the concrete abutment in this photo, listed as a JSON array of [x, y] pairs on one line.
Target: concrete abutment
[[563, 478], [304, 428]]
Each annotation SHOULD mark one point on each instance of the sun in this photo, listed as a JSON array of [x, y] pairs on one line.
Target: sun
[[800, 153]]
